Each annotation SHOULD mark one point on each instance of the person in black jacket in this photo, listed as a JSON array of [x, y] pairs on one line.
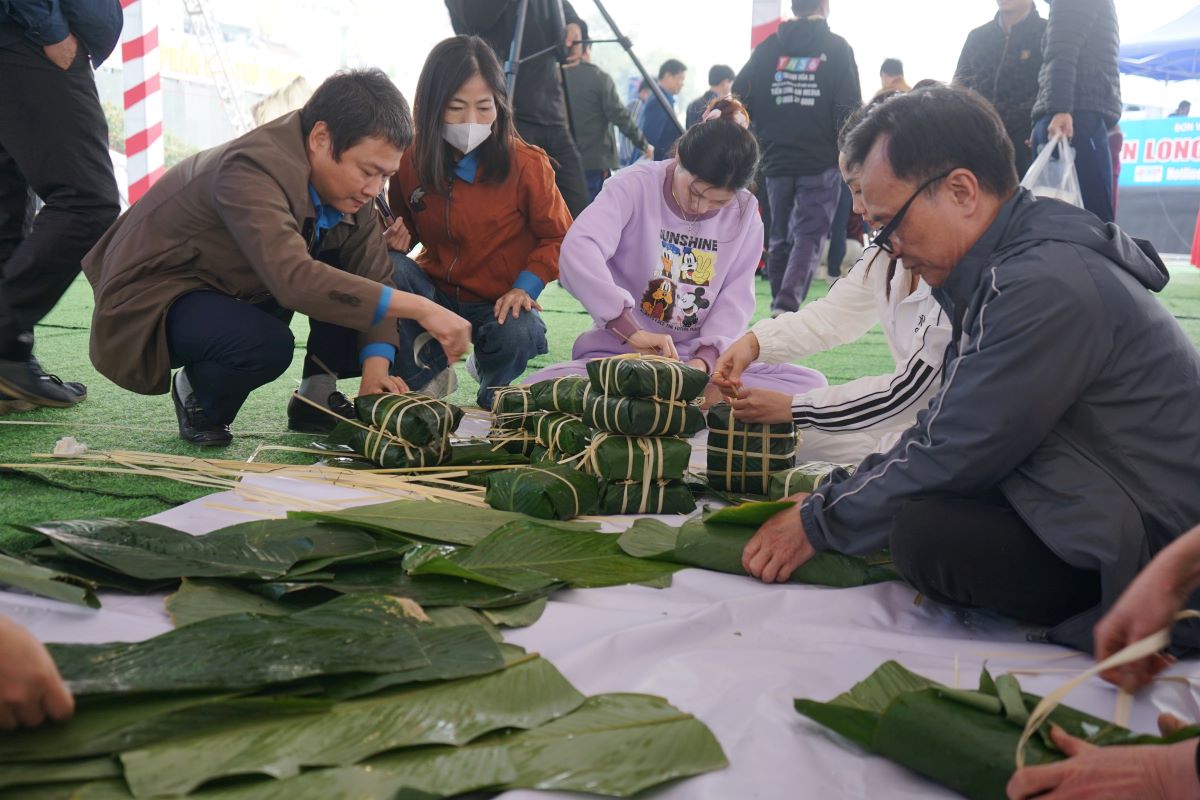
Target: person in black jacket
[[1079, 93], [800, 85], [539, 105], [1001, 60], [53, 144]]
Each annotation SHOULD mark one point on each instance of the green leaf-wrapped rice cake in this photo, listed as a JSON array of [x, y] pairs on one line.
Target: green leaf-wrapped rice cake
[[803, 478], [392, 453], [548, 492], [561, 434], [646, 376], [640, 416], [560, 394], [637, 458], [415, 418], [511, 405], [654, 497], [742, 456]]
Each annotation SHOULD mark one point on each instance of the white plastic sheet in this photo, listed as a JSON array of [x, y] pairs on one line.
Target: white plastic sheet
[[730, 650]]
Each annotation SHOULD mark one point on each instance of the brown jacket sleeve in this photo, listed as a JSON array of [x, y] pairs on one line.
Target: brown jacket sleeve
[[546, 212], [255, 211]]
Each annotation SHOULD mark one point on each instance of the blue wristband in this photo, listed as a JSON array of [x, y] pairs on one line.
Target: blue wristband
[[382, 349], [385, 299]]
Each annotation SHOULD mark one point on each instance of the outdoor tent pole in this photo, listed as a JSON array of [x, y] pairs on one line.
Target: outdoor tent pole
[[628, 45]]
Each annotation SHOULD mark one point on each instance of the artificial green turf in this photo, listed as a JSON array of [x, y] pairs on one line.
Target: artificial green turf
[[114, 419]]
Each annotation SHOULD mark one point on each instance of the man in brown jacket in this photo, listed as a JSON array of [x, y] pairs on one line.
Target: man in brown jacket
[[204, 271]]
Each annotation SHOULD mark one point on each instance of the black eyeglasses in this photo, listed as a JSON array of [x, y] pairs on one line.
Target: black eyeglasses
[[882, 239]]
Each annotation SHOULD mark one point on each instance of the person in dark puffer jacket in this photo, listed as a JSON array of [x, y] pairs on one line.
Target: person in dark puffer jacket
[[1079, 92], [1001, 61]]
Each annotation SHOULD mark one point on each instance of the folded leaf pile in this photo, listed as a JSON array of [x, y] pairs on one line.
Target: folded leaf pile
[[803, 478], [716, 542], [966, 740], [743, 456], [364, 697]]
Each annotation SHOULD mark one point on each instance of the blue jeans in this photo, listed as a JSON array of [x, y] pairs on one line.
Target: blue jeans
[[837, 232], [1093, 160], [501, 351], [595, 181], [802, 208]]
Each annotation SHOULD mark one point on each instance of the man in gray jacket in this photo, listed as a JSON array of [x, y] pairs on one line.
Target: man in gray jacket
[[1063, 449]]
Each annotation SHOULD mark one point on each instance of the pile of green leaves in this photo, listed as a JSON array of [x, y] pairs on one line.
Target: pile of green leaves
[[362, 697], [716, 542], [966, 740]]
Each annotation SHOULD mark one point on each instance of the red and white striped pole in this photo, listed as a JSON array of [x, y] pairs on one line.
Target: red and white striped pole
[[764, 19], [143, 96]]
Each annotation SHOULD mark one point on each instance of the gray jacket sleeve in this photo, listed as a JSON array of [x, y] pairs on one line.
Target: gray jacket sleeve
[[1034, 346], [618, 115], [1067, 30]]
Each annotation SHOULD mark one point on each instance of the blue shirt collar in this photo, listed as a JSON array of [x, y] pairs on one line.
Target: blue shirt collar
[[327, 216], [467, 166]]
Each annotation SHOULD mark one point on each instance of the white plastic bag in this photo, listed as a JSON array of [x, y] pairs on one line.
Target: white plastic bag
[[1053, 175]]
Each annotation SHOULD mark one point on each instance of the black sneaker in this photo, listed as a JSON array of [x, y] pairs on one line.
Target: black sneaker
[[194, 425], [303, 418], [11, 405], [25, 380]]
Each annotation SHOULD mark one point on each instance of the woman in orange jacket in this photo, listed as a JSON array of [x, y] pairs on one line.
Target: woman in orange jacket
[[484, 207]]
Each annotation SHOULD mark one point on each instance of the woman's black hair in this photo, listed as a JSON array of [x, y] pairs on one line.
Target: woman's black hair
[[450, 64], [720, 151]]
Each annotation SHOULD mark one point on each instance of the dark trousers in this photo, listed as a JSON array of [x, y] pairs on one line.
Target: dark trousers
[[595, 182], [837, 232], [501, 351], [977, 552], [556, 140], [1093, 160], [230, 347], [53, 144], [802, 208]]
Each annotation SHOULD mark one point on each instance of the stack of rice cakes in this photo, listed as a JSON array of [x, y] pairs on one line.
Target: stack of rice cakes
[[406, 430], [643, 409]]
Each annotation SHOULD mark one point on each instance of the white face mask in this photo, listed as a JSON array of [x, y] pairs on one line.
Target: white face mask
[[465, 136]]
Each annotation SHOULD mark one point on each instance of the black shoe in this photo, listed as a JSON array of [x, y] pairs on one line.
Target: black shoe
[[25, 380], [303, 418], [194, 425]]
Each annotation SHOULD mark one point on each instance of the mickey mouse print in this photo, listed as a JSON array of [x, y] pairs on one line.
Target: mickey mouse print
[[679, 293]]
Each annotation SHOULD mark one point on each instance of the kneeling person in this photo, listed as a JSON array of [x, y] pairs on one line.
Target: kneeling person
[[484, 206], [204, 271]]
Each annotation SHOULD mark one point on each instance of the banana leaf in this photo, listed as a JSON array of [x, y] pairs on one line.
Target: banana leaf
[[640, 416], [110, 724], [654, 497], [31, 774], [659, 378], [523, 696], [527, 556], [199, 599], [47, 583], [803, 478], [560, 394], [244, 651], [510, 406], [742, 456], [713, 544], [424, 519], [547, 492], [948, 736], [332, 784], [519, 616], [429, 590], [614, 745], [413, 418], [147, 551], [561, 434], [637, 458]]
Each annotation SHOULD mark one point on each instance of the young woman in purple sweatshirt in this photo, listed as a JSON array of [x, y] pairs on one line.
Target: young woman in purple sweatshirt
[[664, 258]]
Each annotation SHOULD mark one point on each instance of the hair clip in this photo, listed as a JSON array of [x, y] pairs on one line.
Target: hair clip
[[738, 117]]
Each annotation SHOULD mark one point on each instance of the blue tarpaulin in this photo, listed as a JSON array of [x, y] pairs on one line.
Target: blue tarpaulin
[[1169, 53]]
